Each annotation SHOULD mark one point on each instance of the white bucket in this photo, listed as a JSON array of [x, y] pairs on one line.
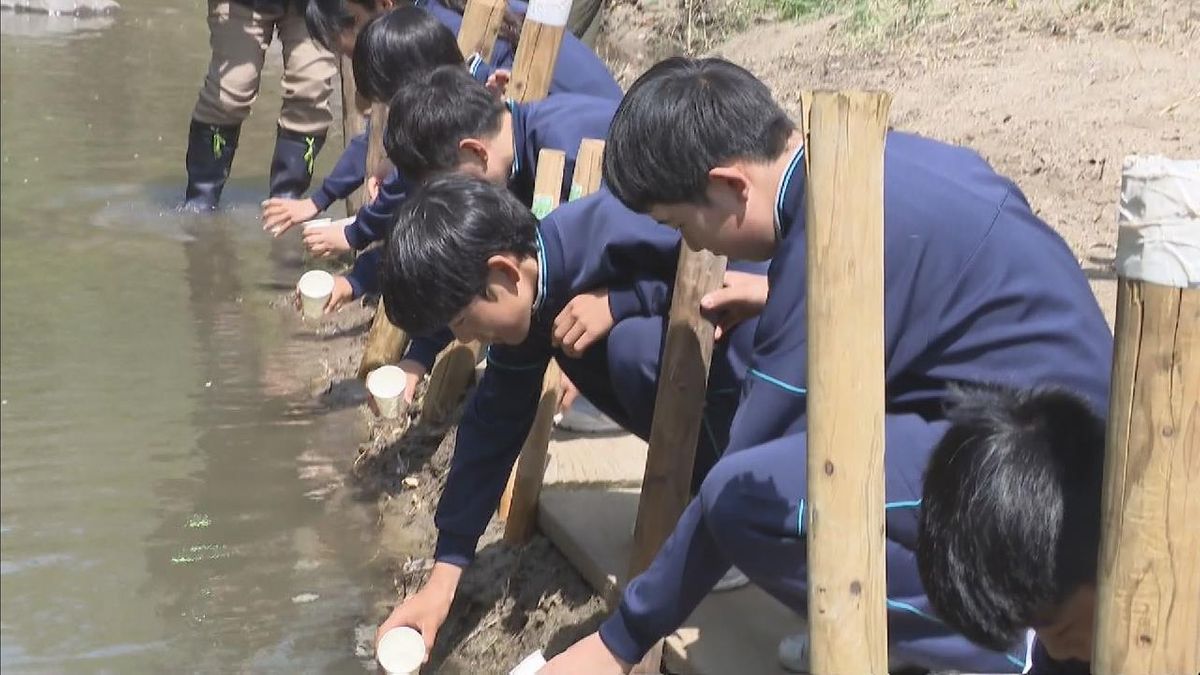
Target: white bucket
[[386, 384], [315, 288], [401, 651]]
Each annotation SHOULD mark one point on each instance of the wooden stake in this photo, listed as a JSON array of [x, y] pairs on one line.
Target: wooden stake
[[480, 25], [353, 123], [518, 504], [385, 342], [678, 406], [537, 51], [847, 593], [1148, 599], [456, 366]]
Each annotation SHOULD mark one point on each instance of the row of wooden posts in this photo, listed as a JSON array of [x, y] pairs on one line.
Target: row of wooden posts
[[1149, 619]]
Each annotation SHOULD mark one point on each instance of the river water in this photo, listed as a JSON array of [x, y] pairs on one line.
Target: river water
[[169, 496]]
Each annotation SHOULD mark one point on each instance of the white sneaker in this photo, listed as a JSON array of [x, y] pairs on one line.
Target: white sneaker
[[793, 653], [585, 418], [733, 579]]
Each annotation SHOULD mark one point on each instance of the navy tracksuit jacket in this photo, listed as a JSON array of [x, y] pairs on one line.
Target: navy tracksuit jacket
[[558, 123], [589, 244], [977, 289]]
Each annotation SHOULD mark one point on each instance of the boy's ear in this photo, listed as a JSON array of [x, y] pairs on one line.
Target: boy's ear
[[504, 269], [473, 147], [730, 177]]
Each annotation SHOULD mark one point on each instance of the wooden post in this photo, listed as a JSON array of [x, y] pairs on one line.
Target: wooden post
[[847, 593], [353, 123], [385, 342], [537, 52], [456, 365], [678, 413], [480, 25], [518, 505], [678, 406], [1148, 599]]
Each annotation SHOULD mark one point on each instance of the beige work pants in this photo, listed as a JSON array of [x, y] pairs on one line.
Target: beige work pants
[[239, 37]]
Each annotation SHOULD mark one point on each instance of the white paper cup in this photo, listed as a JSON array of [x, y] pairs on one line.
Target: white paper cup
[[386, 384], [315, 288], [401, 651], [316, 222], [532, 663]]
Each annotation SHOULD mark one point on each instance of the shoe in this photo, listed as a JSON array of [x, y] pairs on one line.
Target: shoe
[[292, 164], [209, 157], [793, 653], [585, 418], [732, 580]]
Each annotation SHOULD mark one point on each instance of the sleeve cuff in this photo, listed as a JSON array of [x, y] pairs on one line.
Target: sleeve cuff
[[616, 634], [455, 549], [623, 303], [355, 236], [424, 351], [322, 198]]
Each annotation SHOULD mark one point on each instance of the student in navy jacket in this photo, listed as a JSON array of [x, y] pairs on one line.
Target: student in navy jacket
[[443, 120], [1009, 535], [977, 289], [578, 70], [589, 286]]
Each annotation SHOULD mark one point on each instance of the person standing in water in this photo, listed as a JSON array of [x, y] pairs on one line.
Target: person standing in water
[[240, 32]]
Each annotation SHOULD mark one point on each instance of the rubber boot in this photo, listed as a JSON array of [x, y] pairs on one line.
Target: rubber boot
[[292, 165], [209, 156]]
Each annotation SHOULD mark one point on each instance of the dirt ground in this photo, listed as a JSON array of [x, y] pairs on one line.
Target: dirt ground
[[1054, 98]]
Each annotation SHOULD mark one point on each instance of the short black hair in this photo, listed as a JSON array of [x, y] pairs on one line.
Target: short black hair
[[326, 19], [435, 261], [682, 118], [397, 44], [431, 113], [1010, 513]]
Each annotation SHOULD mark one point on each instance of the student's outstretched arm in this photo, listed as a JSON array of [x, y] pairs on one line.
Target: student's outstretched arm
[[347, 175]]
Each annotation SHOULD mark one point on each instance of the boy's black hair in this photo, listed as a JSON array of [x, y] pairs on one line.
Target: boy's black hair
[[435, 262], [397, 44], [431, 113], [682, 118], [326, 19], [1010, 516]]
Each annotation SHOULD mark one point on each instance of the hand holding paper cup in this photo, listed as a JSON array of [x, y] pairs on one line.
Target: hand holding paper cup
[[401, 651], [386, 385], [315, 288]]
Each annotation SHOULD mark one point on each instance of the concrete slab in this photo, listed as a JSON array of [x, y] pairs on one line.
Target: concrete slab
[[596, 460], [732, 632]]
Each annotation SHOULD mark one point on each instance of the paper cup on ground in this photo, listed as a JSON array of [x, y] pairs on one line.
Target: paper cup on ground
[[401, 651], [315, 288], [532, 663], [386, 384]]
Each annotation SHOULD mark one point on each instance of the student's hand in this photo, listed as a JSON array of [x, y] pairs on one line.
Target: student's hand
[[589, 655], [426, 610], [373, 183], [586, 319], [569, 393], [326, 240], [342, 293], [741, 297], [279, 214], [413, 372], [497, 82]]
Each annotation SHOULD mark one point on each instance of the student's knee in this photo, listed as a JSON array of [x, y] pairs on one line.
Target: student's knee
[[727, 497]]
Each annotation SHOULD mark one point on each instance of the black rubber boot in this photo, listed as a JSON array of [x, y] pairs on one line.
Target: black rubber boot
[[209, 156], [292, 165]]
